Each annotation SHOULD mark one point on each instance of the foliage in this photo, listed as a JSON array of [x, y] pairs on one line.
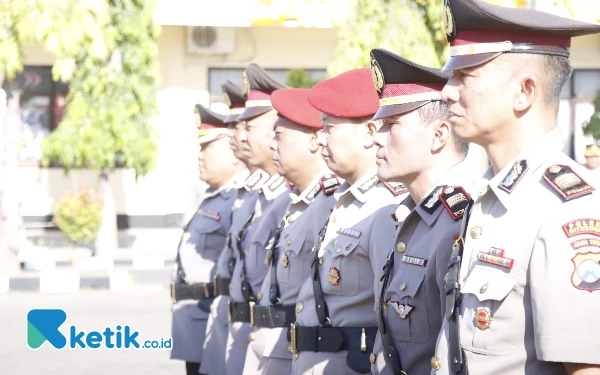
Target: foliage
[[411, 28], [300, 79], [592, 126], [79, 215]]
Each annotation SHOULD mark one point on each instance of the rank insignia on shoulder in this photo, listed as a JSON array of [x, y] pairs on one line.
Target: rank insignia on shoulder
[[582, 226], [214, 215], [456, 200], [432, 202], [402, 310], [329, 184], [396, 188], [513, 177], [566, 182]]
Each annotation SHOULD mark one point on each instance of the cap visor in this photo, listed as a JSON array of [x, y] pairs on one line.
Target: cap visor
[[232, 118], [210, 137], [250, 112], [392, 110], [467, 61]]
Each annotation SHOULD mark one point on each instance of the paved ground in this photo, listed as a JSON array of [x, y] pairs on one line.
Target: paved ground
[[148, 312]]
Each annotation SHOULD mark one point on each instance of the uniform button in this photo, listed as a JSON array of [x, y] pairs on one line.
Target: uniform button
[[372, 358], [446, 277], [320, 261], [403, 286], [334, 219], [475, 231], [401, 247], [435, 363], [299, 307], [332, 242], [338, 250], [259, 296], [289, 242], [230, 288], [483, 288], [251, 336]]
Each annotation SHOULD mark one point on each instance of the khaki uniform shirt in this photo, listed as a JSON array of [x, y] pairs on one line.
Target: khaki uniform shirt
[[414, 300], [346, 273], [538, 308]]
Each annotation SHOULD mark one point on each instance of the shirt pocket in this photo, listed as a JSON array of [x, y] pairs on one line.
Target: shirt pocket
[[493, 311], [341, 276], [256, 255], [408, 293], [294, 265], [209, 239]]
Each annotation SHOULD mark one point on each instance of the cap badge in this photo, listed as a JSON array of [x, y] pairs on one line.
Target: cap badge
[[377, 75], [245, 86], [197, 118], [226, 99], [449, 21]]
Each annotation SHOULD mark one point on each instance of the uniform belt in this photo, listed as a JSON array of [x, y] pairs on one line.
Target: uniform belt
[[239, 311], [221, 286], [180, 292], [273, 316], [332, 339]]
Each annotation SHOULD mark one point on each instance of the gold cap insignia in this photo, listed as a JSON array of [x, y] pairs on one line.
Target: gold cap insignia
[[448, 19], [592, 150], [377, 75], [226, 99], [197, 117], [245, 86]]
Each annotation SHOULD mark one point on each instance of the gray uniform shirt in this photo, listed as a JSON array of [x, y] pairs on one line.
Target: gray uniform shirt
[[536, 308]]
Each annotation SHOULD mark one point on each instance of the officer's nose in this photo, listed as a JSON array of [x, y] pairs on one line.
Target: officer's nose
[[321, 139], [273, 144], [379, 139], [450, 92], [243, 136]]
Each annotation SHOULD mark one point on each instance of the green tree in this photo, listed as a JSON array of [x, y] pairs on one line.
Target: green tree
[[592, 126], [300, 79], [107, 51], [411, 28]]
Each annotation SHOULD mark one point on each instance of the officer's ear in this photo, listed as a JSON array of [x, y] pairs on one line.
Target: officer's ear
[[442, 133], [371, 130], [313, 146]]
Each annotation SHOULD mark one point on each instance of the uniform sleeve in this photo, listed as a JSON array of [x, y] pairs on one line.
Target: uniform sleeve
[[565, 283]]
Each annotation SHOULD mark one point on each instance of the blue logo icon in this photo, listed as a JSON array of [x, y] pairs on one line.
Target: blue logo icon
[[43, 325]]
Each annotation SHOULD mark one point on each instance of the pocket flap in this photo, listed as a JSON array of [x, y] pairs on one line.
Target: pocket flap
[[489, 284], [208, 226], [291, 241], [342, 245], [262, 237], [408, 286]]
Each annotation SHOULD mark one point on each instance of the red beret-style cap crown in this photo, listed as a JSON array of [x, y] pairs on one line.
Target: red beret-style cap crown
[[349, 95], [293, 105]]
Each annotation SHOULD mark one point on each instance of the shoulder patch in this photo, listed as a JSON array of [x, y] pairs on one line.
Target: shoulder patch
[[582, 226], [513, 177], [329, 184], [586, 242], [396, 188], [456, 200], [432, 202], [566, 182]]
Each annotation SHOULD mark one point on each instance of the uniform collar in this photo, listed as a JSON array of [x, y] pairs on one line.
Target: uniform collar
[[506, 183], [309, 194], [274, 186], [239, 179], [256, 180], [360, 188], [225, 190]]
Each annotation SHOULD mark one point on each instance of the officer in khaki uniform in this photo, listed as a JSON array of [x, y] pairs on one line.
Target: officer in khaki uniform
[[298, 158], [250, 269], [192, 290], [217, 328], [418, 149], [524, 277], [335, 323]]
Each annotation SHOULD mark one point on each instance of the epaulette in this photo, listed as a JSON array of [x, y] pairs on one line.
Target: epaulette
[[514, 176], [329, 184], [456, 200], [566, 182], [432, 202], [396, 188]]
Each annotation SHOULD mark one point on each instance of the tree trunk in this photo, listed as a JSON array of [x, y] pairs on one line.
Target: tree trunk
[[11, 228], [107, 241]]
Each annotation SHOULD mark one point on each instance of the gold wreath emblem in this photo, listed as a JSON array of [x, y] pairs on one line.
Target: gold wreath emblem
[[197, 117], [245, 87], [448, 20], [376, 74], [226, 99]]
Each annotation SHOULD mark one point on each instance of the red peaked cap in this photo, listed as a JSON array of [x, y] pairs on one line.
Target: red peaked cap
[[293, 105], [349, 95]]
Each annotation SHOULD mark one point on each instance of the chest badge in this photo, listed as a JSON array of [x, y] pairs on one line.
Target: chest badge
[[333, 276], [402, 310], [285, 261], [483, 318], [587, 271]]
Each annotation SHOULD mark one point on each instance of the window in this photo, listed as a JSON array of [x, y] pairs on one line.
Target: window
[[41, 108]]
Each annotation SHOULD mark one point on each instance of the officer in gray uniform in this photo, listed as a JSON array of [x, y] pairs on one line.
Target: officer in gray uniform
[[298, 158], [335, 323], [217, 328], [523, 287], [417, 148], [192, 289], [273, 200]]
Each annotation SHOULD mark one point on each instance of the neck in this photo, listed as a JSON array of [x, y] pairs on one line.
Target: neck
[[421, 184], [251, 168], [307, 175], [359, 173]]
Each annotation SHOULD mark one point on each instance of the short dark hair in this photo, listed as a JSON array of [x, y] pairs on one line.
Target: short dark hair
[[439, 110]]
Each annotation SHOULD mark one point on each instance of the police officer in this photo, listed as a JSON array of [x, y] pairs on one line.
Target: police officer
[[217, 328], [192, 290], [416, 147], [335, 323], [264, 216], [297, 157], [524, 277]]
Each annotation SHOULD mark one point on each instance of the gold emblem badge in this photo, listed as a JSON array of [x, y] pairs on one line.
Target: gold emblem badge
[[226, 99], [285, 261], [376, 74], [448, 22], [333, 276], [245, 86], [483, 318], [587, 271], [197, 117]]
